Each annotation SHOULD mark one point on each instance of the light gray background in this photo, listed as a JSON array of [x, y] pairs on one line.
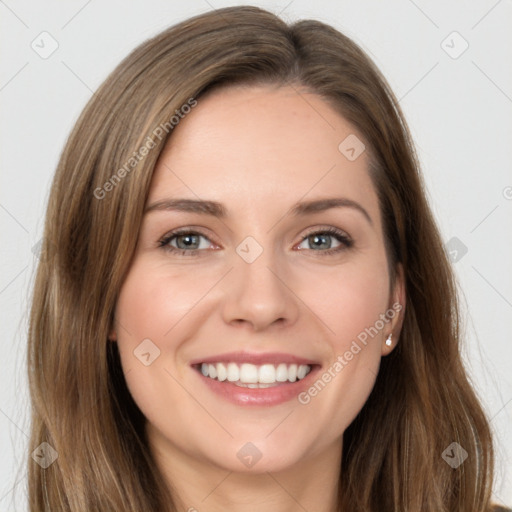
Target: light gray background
[[459, 111]]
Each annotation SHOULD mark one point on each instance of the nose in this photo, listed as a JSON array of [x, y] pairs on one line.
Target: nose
[[259, 295]]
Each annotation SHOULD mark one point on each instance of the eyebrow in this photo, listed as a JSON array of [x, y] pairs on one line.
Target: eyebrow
[[218, 210]]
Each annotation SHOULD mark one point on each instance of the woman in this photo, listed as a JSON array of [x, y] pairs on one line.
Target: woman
[[196, 344]]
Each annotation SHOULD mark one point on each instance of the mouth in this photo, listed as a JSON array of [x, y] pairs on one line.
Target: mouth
[[254, 376], [258, 382]]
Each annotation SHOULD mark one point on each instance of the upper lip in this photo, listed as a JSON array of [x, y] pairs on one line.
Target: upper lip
[[255, 358]]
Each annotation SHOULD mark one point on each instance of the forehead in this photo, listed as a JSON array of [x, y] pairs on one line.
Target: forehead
[[263, 146]]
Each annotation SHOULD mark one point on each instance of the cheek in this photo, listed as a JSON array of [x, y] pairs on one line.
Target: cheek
[[151, 304], [349, 300], [352, 303], [154, 299]]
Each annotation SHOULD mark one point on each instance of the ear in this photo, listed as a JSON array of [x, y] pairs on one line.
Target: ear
[[396, 310], [112, 335]]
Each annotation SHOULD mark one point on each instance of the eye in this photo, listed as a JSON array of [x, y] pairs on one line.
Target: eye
[[322, 241], [185, 242]]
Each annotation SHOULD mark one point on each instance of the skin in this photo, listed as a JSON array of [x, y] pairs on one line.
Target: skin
[[258, 151]]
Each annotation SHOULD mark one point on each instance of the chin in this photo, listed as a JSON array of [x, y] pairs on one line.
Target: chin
[[257, 454]]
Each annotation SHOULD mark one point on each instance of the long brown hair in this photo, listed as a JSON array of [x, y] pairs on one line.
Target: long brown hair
[[422, 400]]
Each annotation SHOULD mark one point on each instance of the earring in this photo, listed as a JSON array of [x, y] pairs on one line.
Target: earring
[[388, 340]]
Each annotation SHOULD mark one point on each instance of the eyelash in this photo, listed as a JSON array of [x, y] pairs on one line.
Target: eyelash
[[344, 239]]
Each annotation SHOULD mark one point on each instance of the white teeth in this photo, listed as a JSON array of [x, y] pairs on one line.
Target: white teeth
[[222, 373], [267, 374], [302, 371], [292, 372], [252, 386], [282, 373], [248, 373], [254, 376], [233, 372]]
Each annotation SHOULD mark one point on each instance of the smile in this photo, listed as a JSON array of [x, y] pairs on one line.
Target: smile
[[255, 376], [256, 379]]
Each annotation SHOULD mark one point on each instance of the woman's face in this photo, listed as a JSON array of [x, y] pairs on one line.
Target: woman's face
[[279, 271]]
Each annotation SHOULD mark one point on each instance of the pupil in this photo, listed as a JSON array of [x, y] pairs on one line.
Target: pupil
[[321, 239], [188, 240]]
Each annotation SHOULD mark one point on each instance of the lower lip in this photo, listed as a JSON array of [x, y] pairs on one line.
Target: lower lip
[[282, 392]]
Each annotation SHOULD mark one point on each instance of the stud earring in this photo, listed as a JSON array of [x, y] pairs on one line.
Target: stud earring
[[388, 340]]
